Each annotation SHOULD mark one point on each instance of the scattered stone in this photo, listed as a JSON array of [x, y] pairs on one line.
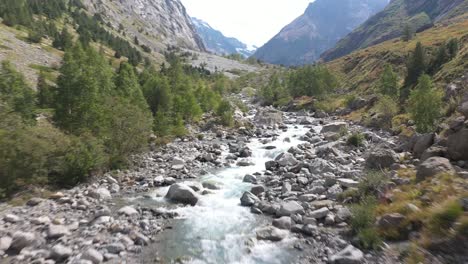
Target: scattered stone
[[211, 185], [348, 183], [100, 193], [334, 127], [115, 248], [181, 193], [257, 190], [380, 158], [177, 163], [286, 159]]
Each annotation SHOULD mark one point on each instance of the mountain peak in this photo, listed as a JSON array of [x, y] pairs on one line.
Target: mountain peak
[[321, 26]]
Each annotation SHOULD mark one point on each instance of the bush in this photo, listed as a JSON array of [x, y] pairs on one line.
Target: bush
[[387, 107], [225, 113], [445, 216], [356, 139], [369, 238], [373, 184], [362, 221]]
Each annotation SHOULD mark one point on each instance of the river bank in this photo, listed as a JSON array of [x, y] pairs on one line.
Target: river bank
[[123, 216]]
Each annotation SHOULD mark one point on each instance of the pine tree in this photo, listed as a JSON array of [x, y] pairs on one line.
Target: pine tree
[[45, 91], [64, 40], [407, 34], [15, 92], [84, 82], [389, 83], [452, 48], [416, 66], [128, 87], [425, 105], [440, 58]]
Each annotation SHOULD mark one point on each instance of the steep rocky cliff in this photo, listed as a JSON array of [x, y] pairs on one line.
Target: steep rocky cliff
[[156, 23], [389, 23], [318, 29], [215, 41]]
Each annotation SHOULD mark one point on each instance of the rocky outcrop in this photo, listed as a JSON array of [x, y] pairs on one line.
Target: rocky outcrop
[[150, 20]]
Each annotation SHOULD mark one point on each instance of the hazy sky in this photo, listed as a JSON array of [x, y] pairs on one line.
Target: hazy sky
[[253, 22]]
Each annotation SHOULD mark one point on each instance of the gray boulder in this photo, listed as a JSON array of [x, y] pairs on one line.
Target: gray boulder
[[320, 213], [5, 243], [457, 145], [271, 233], [289, 208], [60, 252], [92, 255], [464, 109], [433, 166], [100, 193], [22, 240], [177, 163], [380, 158], [250, 179], [391, 221], [57, 231], [349, 255], [422, 142], [248, 199], [286, 159], [128, 211], [181, 193], [284, 222], [268, 117], [334, 127], [257, 189]]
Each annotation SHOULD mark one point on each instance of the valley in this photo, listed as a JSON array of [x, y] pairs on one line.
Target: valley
[[133, 132]]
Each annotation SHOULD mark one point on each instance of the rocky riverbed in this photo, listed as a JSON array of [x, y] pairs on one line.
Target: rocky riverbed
[[286, 200]]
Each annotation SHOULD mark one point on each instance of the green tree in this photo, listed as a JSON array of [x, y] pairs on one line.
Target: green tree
[[157, 92], [425, 104], [128, 87], [15, 92], [15, 12], [389, 83], [416, 66], [45, 92], [439, 59], [225, 113], [452, 48], [311, 81], [407, 34], [64, 40], [84, 82]]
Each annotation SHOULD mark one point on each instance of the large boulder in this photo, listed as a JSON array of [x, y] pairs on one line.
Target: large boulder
[[268, 117], [271, 233], [457, 145], [334, 127], [349, 255], [422, 142], [433, 166], [248, 199], [289, 208], [22, 240], [100, 193], [464, 109], [284, 222], [286, 159], [380, 158], [177, 163], [181, 193], [391, 221]]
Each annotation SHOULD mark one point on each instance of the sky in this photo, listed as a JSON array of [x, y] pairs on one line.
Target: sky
[[253, 22]]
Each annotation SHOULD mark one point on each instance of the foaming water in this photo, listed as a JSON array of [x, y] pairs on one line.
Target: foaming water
[[218, 229]]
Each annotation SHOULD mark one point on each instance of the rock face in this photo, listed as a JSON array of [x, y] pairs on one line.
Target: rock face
[[390, 23], [457, 145], [318, 29], [181, 193], [164, 20], [216, 42], [433, 166]]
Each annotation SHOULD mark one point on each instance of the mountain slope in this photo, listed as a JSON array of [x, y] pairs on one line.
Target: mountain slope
[[318, 29], [156, 23], [389, 23], [215, 41]]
